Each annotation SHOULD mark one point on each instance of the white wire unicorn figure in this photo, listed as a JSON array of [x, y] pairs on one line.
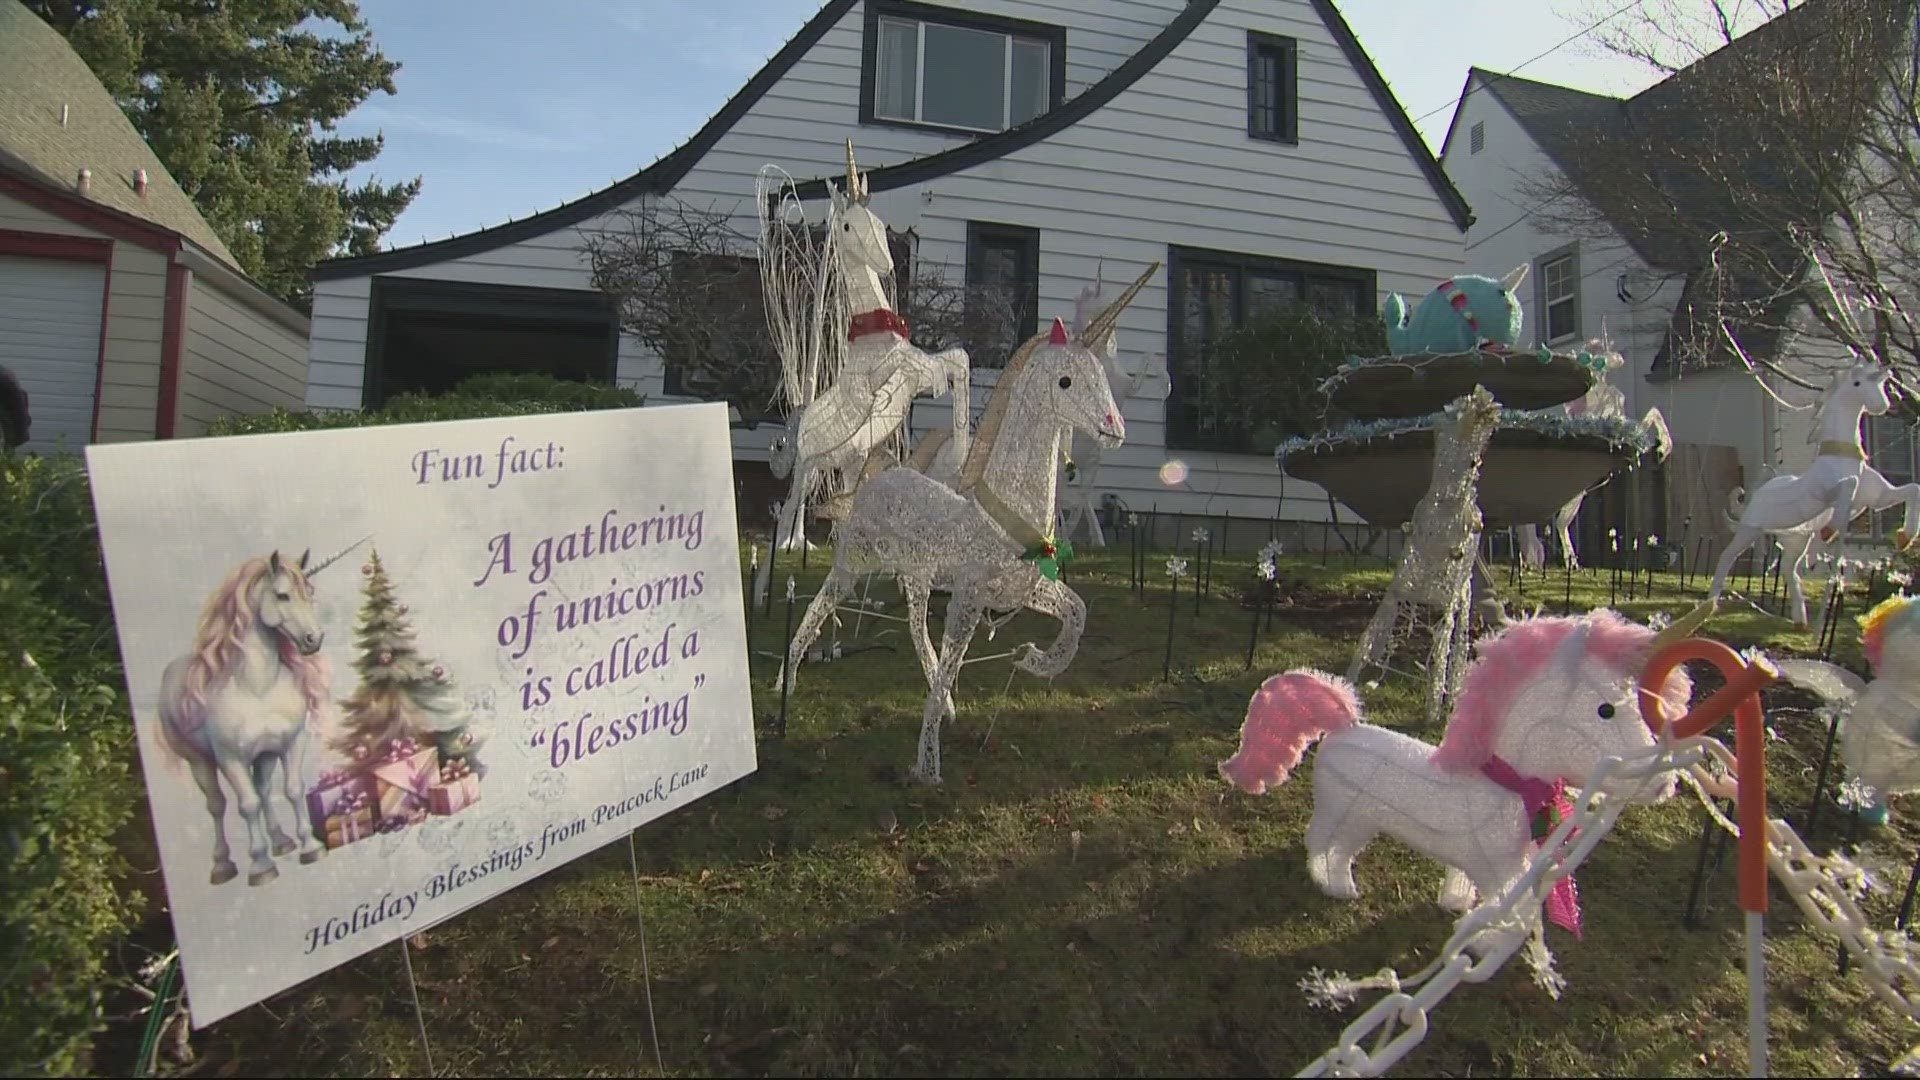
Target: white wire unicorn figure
[[240, 704], [1082, 469], [846, 399], [1825, 499], [1545, 699], [988, 541]]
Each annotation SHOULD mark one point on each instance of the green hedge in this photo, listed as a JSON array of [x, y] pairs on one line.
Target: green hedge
[[476, 398], [66, 789], [67, 786]]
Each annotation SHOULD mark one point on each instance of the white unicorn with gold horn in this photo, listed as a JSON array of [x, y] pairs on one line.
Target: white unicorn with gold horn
[[848, 396]]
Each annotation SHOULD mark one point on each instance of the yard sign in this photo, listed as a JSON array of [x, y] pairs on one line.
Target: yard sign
[[381, 675]]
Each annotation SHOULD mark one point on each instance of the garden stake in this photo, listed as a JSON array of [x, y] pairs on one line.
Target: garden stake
[[1820, 777], [1853, 831], [419, 1017], [1325, 540], [646, 969], [1906, 901], [1566, 563], [1173, 608], [753, 569], [787, 652], [773, 560], [1199, 567], [1712, 837]]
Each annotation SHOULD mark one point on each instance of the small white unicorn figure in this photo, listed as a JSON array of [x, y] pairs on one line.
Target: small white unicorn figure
[[1836, 487], [1081, 470], [843, 411], [1545, 700]]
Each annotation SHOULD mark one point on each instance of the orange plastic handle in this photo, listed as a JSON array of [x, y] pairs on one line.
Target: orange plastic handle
[[1740, 697]]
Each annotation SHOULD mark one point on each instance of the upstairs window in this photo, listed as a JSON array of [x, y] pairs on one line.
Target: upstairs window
[[1559, 297], [940, 67], [1273, 99]]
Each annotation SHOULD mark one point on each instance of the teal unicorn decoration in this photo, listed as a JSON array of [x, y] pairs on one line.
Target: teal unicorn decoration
[[1460, 315]]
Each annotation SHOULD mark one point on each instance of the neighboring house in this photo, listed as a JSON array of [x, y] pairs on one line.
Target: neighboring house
[[1248, 146], [1634, 290], [121, 312]]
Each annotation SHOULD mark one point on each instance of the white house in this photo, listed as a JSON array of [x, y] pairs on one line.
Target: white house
[[1249, 146], [1728, 428]]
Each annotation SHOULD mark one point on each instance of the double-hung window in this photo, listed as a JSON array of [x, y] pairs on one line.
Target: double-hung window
[[1273, 88], [941, 67]]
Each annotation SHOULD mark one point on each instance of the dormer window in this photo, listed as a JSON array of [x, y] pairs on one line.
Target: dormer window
[[929, 66]]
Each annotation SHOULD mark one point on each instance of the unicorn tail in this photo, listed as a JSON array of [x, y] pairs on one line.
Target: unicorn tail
[[1395, 316], [1286, 715]]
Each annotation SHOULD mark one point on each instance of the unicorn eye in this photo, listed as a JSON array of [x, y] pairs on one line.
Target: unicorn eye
[[1606, 710], [284, 596], [846, 226], [1066, 382]]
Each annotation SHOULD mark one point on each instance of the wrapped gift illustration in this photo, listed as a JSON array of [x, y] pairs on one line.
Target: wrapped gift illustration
[[457, 788], [403, 777], [348, 825], [339, 791]]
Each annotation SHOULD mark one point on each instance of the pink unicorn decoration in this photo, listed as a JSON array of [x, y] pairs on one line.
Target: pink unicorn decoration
[[1545, 700]]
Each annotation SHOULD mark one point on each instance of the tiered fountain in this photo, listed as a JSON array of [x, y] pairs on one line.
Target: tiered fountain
[[1376, 455]]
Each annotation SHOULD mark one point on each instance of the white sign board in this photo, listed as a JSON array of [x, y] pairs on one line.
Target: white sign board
[[532, 641]]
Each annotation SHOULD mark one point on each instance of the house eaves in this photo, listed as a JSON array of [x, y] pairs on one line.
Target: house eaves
[[657, 178], [663, 175], [1117, 81]]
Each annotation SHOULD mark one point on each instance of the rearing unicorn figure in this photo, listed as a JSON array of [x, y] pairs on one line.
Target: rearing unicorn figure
[[840, 417]]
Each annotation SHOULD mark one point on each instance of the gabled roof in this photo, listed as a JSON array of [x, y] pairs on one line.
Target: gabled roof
[[56, 119], [1566, 123], [662, 175]]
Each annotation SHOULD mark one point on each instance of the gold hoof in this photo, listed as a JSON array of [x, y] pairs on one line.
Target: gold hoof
[[1901, 541]]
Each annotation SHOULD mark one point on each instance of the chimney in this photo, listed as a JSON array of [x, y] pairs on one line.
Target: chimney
[[140, 182], [86, 181]]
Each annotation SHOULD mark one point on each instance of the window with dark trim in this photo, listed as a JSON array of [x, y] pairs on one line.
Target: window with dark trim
[[923, 65], [1214, 293], [1273, 90], [1894, 452], [1003, 290]]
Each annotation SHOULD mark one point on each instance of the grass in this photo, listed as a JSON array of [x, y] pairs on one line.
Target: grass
[[1083, 896]]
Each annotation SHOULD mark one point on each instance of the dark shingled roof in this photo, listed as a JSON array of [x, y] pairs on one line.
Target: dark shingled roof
[[1566, 123], [56, 119]]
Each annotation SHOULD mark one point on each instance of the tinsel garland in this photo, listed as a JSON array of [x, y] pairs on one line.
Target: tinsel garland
[[1616, 430], [1596, 362]]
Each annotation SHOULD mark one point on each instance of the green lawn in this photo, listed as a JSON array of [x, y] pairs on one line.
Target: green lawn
[[1083, 896]]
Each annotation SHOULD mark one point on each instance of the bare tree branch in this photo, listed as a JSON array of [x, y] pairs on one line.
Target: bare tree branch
[[687, 284]]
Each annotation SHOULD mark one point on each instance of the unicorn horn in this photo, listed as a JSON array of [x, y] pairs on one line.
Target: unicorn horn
[[1683, 627], [1101, 326], [856, 190], [337, 556]]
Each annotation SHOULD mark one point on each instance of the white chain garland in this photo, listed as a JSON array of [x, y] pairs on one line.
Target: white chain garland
[[1823, 887]]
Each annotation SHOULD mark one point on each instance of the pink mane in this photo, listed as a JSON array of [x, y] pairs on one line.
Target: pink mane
[[1511, 659], [220, 642]]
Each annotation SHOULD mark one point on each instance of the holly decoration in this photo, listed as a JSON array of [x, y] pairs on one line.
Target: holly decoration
[[1051, 556]]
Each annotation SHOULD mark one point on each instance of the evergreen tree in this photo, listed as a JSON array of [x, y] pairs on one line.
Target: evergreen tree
[[239, 100], [396, 681]]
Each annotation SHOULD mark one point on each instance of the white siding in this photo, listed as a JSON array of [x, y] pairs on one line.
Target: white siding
[[1707, 409], [236, 360], [1167, 162]]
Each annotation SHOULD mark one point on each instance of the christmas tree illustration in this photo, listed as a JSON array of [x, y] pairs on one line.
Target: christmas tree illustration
[[402, 694]]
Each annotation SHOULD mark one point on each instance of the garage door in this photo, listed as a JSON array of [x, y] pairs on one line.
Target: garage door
[[50, 337]]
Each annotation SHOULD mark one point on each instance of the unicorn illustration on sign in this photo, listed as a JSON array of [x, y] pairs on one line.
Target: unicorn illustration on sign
[[1081, 471], [846, 401], [1461, 314], [1544, 701], [239, 703], [1880, 729], [1825, 499], [989, 540]]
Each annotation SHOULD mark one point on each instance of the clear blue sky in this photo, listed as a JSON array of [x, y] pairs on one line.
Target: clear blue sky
[[506, 107]]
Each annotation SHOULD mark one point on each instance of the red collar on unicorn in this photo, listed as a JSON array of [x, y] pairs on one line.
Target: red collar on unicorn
[[879, 321]]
